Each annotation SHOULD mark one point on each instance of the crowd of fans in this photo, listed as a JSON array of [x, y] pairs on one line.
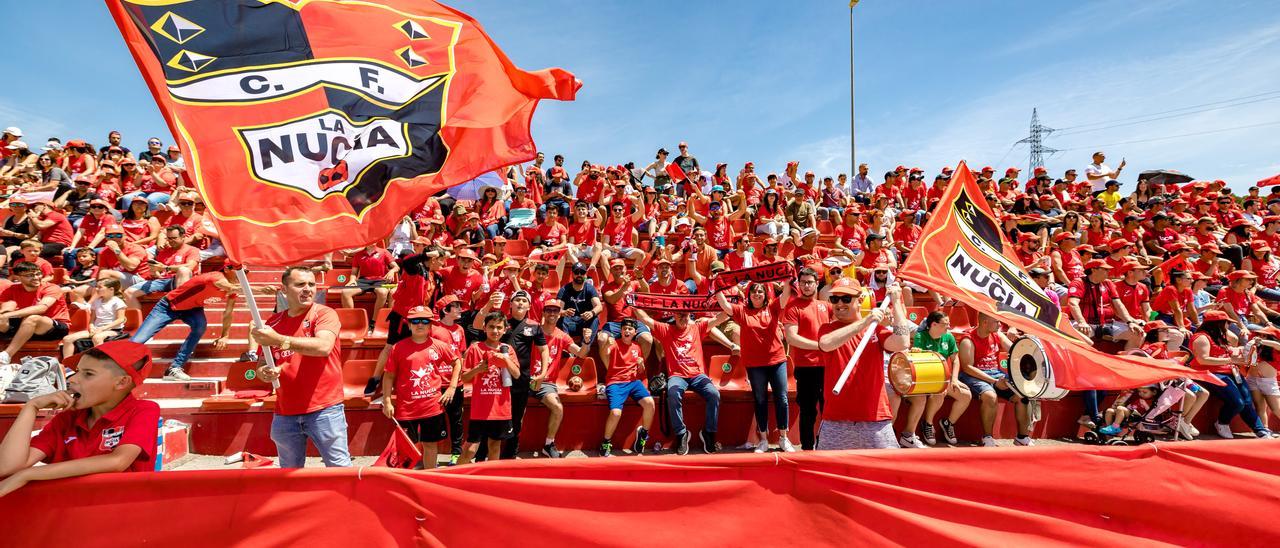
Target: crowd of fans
[[480, 294]]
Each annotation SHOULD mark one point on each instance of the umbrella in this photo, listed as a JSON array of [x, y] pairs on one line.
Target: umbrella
[[1270, 181], [1164, 176], [471, 190]]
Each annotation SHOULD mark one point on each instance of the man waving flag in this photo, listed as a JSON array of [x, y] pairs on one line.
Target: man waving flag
[[313, 125], [963, 254]]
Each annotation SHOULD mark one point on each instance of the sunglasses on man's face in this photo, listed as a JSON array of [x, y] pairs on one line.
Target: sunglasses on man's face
[[186, 203], [841, 299], [97, 207], [419, 321]]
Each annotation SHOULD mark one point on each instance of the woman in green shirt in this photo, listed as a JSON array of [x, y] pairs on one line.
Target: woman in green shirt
[[935, 335]]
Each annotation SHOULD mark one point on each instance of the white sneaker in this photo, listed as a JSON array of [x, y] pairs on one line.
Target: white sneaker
[[988, 441], [762, 446], [908, 440], [1187, 431], [4, 358], [1024, 441], [1195, 432], [1224, 431], [786, 446]]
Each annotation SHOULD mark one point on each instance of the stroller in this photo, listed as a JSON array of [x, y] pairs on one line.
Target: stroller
[[1162, 422]]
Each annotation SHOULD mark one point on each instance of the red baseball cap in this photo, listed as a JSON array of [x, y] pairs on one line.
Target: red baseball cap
[[126, 354], [1241, 275], [1097, 263], [467, 254], [444, 302], [1215, 316], [988, 169], [1065, 235], [845, 286], [420, 312], [1125, 267], [1118, 243]]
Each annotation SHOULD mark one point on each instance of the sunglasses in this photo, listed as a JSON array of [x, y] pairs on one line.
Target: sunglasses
[[551, 310], [841, 299], [186, 203], [97, 207], [419, 321], [116, 236]]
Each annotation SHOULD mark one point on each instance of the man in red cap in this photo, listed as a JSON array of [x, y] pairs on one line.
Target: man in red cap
[[1067, 263], [542, 383], [421, 379], [102, 427], [303, 341], [859, 416], [463, 280], [120, 259], [52, 226]]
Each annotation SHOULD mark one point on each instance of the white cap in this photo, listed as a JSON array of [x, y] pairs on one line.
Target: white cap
[[52, 145], [15, 145], [13, 131]]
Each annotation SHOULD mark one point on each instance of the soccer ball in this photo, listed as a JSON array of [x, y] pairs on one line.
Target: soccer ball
[[575, 384]]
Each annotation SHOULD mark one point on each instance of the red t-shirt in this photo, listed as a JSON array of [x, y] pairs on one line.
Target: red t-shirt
[[863, 398], [23, 298], [1215, 351], [422, 371], [683, 347], [1240, 302], [90, 226], [453, 335], [196, 291], [626, 362], [557, 344], [552, 233], [1163, 303], [68, 436], [108, 260], [372, 265], [172, 257], [720, 232], [135, 229], [308, 383], [986, 350], [619, 232], [808, 315], [464, 286], [61, 231], [617, 310], [760, 334], [489, 399], [1132, 296], [583, 233]]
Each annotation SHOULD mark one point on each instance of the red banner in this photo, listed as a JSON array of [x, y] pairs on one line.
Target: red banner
[[312, 126], [400, 452], [963, 254], [658, 302], [1072, 495], [760, 273]]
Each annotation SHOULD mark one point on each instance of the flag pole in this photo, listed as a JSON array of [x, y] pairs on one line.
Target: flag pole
[[853, 153], [857, 353], [242, 275]]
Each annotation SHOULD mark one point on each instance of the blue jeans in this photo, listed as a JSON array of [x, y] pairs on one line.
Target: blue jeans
[[327, 429], [761, 379], [1091, 399], [1236, 400], [154, 286], [573, 326], [161, 316], [154, 199], [701, 385]]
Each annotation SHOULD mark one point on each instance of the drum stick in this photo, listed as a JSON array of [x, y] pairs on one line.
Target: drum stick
[[857, 353]]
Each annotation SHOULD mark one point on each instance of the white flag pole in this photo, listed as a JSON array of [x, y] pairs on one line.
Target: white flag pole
[[257, 318]]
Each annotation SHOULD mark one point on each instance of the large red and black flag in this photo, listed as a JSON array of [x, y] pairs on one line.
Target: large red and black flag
[[963, 254], [313, 125]]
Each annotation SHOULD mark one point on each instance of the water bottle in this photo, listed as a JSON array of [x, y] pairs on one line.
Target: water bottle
[[159, 445], [506, 375]]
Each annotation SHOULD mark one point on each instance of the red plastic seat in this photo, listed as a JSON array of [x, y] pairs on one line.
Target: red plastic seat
[[732, 382], [959, 317], [584, 368], [381, 326], [917, 314], [59, 276], [242, 389], [336, 277], [355, 323], [826, 227], [355, 374], [740, 226], [132, 319], [79, 320], [518, 248]]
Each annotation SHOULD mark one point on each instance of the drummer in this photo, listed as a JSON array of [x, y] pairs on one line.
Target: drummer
[[980, 349], [934, 335], [859, 417]]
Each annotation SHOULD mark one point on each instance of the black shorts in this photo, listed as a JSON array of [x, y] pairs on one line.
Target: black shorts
[[428, 430], [367, 285], [397, 328], [494, 430], [59, 330]]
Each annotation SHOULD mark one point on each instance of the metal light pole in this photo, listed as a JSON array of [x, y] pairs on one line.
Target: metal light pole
[[853, 149]]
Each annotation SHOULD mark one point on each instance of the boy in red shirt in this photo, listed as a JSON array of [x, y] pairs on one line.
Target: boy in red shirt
[[372, 269], [103, 428], [417, 369], [31, 309], [624, 380], [491, 367]]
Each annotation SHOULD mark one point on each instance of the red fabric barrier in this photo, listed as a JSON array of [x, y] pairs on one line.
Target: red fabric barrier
[[1218, 492]]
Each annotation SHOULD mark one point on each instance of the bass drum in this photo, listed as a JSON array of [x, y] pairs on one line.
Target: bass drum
[[919, 373], [1031, 373]]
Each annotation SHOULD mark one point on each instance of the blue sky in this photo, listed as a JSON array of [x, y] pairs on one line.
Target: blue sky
[[753, 80]]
